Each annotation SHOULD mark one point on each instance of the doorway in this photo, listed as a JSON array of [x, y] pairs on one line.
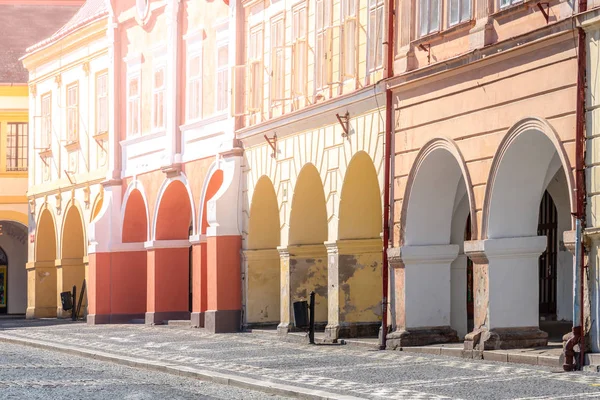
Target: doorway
[[3, 282], [548, 226]]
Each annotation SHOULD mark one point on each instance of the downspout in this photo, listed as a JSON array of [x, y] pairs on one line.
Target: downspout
[[579, 276], [389, 114]]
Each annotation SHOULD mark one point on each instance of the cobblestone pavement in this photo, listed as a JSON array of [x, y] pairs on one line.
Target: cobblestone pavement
[[28, 373], [342, 370]]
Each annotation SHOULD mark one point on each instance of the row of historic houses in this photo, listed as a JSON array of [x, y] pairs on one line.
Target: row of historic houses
[[216, 161]]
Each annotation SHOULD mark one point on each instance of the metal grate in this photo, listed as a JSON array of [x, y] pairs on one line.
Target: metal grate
[[548, 226]]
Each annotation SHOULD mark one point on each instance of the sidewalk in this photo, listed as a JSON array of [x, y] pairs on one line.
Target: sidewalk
[[261, 361]]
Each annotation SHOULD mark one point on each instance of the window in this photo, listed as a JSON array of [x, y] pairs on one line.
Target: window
[[222, 76], [429, 16], [16, 147], [277, 59], [73, 113], [505, 3], [349, 43], [133, 106], [195, 87], [102, 103], [299, 51], [256, 72], [323, 43], [158, 99], [46, 134], [459, 11], [376, 30]]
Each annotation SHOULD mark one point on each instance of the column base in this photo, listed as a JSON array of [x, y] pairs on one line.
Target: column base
[[284, 328], [197, 319], [101, 319], [347, 331], [222, 321], [506, 338], [421, 336], [159, 318], [40, 312]]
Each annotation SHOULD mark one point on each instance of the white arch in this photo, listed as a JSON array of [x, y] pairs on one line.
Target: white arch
[[214, 167], [135, 185], [541, 156], [183, 179]]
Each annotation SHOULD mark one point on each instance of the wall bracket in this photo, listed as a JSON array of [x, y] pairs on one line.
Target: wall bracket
[[273, 143], [546, 12], [426, 47], [344, 121]]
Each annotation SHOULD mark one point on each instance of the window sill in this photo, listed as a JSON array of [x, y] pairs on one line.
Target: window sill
[[45, 153], [440, 35], [101, 136], [72, 145], [200, 122], [140, 138]]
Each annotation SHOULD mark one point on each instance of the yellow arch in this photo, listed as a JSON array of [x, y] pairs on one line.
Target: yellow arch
[[16, 216], [73, 231]]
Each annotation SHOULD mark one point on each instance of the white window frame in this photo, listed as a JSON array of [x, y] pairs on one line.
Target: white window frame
[[46, 123], [350, 23], [134, 71], [508, 3], [430, 28], [194, 50], [299, 69], [72, 113], [374, 47], [464, 11], [99, 99], [222, 40], [323, 71], [256, 62]]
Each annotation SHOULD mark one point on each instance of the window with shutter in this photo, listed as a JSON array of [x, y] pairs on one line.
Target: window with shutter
[[277, 60], [102, 103], [458, 11], [323, 44], [195, 87], [349, 42], [133, 106], [375, 37], [72, 113], [46, 122], [255, 84], [429, 16], [222, 81], [158, 99], [299, 51]]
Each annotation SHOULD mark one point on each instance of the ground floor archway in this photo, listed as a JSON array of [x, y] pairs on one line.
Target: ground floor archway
[[13, 261]]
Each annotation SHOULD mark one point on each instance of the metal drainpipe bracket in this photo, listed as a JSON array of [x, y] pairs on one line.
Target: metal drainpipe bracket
[[273, 143], [344, 121]]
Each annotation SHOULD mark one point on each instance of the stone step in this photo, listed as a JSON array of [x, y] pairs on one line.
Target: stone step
[[183, 322]]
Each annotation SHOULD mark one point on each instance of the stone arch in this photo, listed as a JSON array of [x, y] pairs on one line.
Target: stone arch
[[174, 211], [42, 298], [261, 256], [517, 152], [211, 186], [437, 203], [15, 216], [448, 154], [308, 230], [97, 206], [72, 270]]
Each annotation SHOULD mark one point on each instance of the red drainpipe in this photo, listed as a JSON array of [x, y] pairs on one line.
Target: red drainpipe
[[580, 167], [389, 131]]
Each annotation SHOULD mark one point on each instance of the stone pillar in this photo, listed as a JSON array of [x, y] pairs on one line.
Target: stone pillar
[[506, 294], [168, 281], [423, 295], [224, 284], [458, 297], [354, 289], [41, 289], [69, 272], [286, 316], [199, 289]]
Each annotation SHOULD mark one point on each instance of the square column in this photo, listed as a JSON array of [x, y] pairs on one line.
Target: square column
[[69, 272], [423, 295], [506, 293], [199, 295], [41, 289], [168, 281], [354, 289], [303, 269], [224, 284]]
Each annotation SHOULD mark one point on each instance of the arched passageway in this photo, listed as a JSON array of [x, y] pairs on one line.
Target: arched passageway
[[306, 268], [42, 298], [71, 271], [528, 163], [431, 290], [262, 265], [199, 254], [355, 277], [168, 257], [13, 260]]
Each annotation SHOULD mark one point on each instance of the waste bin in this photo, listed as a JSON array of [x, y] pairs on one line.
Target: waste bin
[[301, 314], [66, 298]]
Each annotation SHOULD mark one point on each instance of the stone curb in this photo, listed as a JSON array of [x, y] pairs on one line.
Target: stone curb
[[185, 371]]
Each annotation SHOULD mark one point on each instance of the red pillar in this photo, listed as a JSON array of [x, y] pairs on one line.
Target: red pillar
[[224, 288], [199, 295]]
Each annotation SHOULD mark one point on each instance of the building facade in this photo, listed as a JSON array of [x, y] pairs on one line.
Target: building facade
[[46, 17]]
